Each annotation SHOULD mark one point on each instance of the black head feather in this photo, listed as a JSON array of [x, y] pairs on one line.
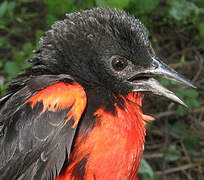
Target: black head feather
[[85, 42]]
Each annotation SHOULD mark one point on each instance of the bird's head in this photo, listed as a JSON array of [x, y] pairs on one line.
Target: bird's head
[[105, 47]]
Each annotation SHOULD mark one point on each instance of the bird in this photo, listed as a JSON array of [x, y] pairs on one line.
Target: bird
[[76, 113]]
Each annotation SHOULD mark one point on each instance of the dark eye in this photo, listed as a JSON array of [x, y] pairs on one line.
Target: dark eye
[[119, 63]]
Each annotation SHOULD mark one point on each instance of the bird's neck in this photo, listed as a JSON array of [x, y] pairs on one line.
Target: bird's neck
[[113, 148]]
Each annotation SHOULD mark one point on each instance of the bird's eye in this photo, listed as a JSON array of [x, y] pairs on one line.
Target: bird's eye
[[119, 63]]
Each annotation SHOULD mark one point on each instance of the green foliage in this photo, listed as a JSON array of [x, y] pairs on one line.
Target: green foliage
[[182, 61], [112, 3], [11, 68], [191, 143], [6, 9], [172, 153], [144, 7], [14, 61], [39, 33], [57, 9], [200, 27], [178, 128], [118, 4], [21, 56], [146, 171], [3, 43], [183, 11], [6, 14], [190, 96], [187, 12], [168, 83]]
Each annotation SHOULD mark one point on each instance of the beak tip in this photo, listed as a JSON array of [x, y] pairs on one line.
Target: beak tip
[[190, 84], [177, 100], [184, 104], [193, 86]]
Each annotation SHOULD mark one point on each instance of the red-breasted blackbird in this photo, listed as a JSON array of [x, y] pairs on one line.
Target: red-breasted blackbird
[[76, 113]]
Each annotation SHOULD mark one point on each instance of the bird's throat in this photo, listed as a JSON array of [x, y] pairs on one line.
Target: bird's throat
[[113, 148]]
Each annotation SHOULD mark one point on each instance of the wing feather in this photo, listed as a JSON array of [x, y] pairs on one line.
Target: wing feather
[[39, 130]]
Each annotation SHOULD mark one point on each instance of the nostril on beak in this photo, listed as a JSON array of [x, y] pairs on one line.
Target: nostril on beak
[[155, 62], [155, 65]]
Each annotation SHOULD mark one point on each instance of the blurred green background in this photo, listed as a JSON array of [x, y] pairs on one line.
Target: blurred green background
[[175, 141]]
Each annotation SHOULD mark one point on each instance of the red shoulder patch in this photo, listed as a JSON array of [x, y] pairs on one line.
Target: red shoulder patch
[[60, 96]]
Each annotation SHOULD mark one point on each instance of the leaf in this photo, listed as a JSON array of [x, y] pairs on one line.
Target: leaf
[[191, 143], [145, 6], [118, 3], [165, 82], [11, 6], [50, 19], [190, 96], [168, 83], [172, 154], [11, 68], [145, 168], [1, 64], [59, 7], [3, 88], [28, 49], [39, 33], [56, 9], [188, 9], [3, 26], [182, 61], [178, 128], [181, 111], [200, 28], [190, 93], [18, 56], [2, 42], [101, 3], [6, 9], [3, 8]]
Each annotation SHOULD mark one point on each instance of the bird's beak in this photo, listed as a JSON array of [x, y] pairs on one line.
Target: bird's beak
[[144, 80]]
